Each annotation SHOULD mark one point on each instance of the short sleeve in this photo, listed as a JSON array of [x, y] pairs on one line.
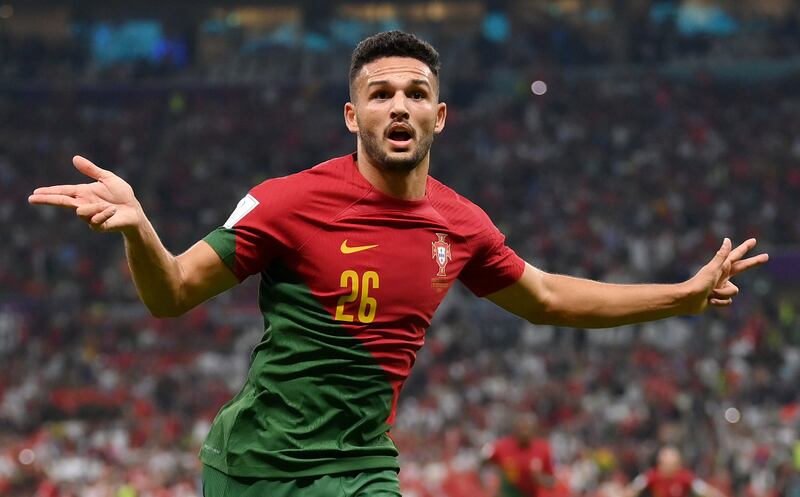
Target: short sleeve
[[490, 453], [256, 231], [493, 265]]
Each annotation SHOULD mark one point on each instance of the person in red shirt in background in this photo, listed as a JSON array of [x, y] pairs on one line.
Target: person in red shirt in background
[[670, 479], [525, 463]]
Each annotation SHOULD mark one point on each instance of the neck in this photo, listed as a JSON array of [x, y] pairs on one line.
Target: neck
[[524, 441], [405, 185]]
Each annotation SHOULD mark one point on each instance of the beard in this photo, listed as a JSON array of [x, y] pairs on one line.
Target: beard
[[406, 162]]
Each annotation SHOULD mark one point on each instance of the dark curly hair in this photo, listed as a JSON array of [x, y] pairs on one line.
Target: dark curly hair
[[393, 44]]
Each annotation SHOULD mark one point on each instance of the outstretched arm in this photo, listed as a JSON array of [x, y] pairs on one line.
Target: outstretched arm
[[168, 285], [703, 489], [545, 298], [636, 487]]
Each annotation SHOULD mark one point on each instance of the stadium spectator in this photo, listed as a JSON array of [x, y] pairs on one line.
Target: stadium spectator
[[523, 459]]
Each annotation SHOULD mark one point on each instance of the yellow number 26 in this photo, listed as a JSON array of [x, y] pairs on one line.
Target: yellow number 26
[[367, 306]]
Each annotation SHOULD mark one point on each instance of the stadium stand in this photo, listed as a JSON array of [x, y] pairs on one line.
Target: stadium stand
[[632, 167]]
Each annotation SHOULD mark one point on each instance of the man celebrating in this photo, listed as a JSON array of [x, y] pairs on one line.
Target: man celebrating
[[355, 255], [670, 479]]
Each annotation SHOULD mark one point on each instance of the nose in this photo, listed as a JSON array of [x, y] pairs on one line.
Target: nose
[[399, 109]]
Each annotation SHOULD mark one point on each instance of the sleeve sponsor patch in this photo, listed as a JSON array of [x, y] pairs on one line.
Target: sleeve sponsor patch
[[247, 204]]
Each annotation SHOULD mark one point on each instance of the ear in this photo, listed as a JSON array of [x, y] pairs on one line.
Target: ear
[[441, 117], [350, 117]]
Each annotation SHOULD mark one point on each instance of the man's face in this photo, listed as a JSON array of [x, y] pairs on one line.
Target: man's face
[[395, 111], [669, 460], [525, 427]]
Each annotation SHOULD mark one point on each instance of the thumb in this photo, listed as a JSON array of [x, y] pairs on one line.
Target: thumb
[[88, 168], [722, 253]]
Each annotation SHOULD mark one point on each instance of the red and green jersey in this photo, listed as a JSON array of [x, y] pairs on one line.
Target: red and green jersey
[[350, 279], [519, 463]]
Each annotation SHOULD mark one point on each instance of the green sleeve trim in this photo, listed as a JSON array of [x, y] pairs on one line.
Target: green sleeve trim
[[223, 241]]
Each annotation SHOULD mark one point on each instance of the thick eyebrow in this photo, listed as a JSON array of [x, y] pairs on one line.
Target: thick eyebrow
[[417, 82]]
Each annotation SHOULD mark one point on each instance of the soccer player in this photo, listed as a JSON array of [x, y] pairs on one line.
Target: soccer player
[[355, 255], [670, 479], [524, 459]]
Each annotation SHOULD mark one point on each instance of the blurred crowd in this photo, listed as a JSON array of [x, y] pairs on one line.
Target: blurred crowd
[[623, 177], [552, 34]]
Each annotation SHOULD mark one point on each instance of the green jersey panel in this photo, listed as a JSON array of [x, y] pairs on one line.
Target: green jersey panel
[[315, 402]]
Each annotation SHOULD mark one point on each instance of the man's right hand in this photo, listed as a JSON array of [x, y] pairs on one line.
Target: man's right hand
[[168, 285], [108, 204]]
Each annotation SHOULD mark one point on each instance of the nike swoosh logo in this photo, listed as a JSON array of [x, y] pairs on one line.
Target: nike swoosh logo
[[352, 250]]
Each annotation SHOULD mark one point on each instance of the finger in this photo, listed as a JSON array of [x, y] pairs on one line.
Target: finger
[[99, 219], [89, 210], [88, 168], [720, 302], [742, 249], [722, 254], [55, 200], [749, 263], [70, 190], [727, 291]]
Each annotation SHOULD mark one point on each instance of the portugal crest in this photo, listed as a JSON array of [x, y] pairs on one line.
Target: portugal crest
[[441, 253]]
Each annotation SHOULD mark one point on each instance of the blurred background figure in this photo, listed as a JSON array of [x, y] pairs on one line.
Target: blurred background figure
[[670, 479], [523, 459]]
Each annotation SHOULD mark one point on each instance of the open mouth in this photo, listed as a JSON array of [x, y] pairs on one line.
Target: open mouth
[[400, 137]]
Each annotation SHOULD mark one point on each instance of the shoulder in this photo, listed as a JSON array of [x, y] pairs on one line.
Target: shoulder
[[319, 188], [457, 209], [496, 449], [500, 445], [319, 177]]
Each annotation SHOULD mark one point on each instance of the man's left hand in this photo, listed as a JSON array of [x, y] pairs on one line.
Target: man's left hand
[[712, 284]]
